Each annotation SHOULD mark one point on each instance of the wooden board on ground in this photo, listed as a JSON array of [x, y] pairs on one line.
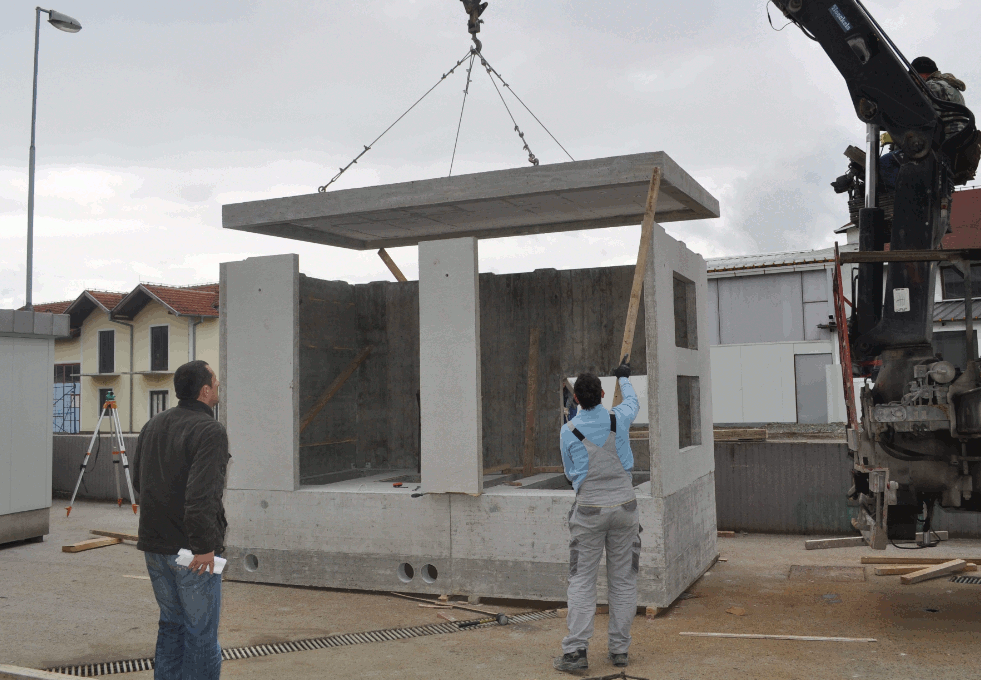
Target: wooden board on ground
[[903, 569], [446, 617], [869, 559], [115, 534], [754, 636], [745, 434], [90, 544], [825, 543], [936, 571], [725, 534]]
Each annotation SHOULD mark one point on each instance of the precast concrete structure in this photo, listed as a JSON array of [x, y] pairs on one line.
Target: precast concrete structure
[[26, 390], [438, 408]]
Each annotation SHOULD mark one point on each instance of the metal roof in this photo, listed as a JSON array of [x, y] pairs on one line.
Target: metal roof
[[737, 263], [953, 310]]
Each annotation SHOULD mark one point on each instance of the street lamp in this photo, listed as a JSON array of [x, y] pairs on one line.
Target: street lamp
[[65, 23]]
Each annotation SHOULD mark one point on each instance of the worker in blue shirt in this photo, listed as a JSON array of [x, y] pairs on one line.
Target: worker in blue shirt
[[598, 461]]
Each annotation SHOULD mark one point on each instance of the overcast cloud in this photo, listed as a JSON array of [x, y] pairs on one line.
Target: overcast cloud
[[156, 114]]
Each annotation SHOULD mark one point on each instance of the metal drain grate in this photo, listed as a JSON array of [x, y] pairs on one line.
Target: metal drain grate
[[341, 640], [972, 580]]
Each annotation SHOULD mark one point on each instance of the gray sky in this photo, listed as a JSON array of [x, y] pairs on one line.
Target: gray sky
[[150, 119]]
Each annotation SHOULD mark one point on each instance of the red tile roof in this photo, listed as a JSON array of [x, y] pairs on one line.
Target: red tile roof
[[106, 298], [53, 307], [190, 301]]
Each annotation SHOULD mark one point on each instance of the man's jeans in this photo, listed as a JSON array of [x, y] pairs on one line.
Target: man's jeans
[[187, 639]]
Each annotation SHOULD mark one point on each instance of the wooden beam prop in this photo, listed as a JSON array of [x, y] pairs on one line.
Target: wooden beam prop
[[917, 560], [392, 267], [530, 404], [646, 230], [90, 544], [335, 387], [903, 569], [745, 434], [115, 534], [804, 638], [934, 571]]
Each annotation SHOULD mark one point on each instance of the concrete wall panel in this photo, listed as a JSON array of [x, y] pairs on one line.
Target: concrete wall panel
[[449, 367], [260, 394]]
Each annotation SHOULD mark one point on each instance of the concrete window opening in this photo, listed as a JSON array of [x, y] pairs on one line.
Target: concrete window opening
[[429, 573], [685, 326], [689, 411], [251, 563], [405, 572], [107, 351]]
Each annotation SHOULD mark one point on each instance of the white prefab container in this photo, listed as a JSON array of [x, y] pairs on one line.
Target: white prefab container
[[26, 385]]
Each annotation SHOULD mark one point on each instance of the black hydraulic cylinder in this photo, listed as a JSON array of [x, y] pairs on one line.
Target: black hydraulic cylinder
[[871, 236]]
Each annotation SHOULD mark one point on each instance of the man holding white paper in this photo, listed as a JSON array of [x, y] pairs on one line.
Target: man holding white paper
[[179, 471]]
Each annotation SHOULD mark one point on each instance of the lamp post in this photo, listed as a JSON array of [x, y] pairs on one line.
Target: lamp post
[[65, 23]]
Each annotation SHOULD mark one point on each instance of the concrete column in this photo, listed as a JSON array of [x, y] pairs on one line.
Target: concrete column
[[449, 367], [260, 371]]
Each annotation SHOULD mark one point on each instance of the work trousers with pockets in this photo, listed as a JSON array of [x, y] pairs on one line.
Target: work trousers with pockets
[[593, 529], [187, 636]]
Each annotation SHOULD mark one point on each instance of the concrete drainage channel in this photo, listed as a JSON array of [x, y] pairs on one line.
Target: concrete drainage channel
[[341, 640]]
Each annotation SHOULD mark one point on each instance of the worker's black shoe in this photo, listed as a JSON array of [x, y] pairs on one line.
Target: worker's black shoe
[[575, 661], [619, 660]]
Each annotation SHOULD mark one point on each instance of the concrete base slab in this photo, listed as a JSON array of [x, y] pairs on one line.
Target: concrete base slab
[[20, 526]]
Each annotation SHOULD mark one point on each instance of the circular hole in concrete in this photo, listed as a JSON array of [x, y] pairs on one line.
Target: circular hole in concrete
[[263, 504], [251, 562], [429, 573], [406, 572]]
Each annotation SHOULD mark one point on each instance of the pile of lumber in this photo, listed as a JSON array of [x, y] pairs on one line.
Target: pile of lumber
[[918, 569]]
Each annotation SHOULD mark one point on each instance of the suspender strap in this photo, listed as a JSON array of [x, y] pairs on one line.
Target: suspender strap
[[580, 436]]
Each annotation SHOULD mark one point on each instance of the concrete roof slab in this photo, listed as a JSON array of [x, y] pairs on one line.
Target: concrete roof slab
[[605, 192]]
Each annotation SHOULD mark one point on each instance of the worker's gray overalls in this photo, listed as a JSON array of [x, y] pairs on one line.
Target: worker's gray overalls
[[604, 515]]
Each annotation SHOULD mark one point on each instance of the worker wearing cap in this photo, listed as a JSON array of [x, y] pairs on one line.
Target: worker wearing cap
[[942, 86], [597, 458]]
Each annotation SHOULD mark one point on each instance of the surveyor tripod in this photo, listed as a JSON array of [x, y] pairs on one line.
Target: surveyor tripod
[[118, 454]]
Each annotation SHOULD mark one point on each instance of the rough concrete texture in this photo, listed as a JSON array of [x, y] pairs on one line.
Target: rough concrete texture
[[88, 610], [373, 420], [509, 542], [604, 192], [449, 367]]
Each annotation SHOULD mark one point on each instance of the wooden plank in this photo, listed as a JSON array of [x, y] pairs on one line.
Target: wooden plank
[[90, 544], [497, 469], [725, 534], [902, 569], [115, 534], [825, 543], [334, 387], [392, 267], [530, 402], [935, 571], [8, 672], [869, 559], [747, 434], [803, 638], [646, 230]]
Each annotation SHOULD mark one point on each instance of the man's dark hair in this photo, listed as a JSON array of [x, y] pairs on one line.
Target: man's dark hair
[[190, 378], [589, 390], [924, 65]]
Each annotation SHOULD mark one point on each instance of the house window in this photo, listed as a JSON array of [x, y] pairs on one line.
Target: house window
[[103, 393], [67, 373], [107, 352], [685, 329], [689, 412], [158, 402], [159, 356]]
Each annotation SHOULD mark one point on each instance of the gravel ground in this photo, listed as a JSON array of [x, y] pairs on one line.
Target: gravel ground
[[59, 608]]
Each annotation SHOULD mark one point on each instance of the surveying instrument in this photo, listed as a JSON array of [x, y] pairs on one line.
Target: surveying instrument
[[118, 455]]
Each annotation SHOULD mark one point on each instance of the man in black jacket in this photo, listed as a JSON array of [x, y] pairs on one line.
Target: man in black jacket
[[179, 472]]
